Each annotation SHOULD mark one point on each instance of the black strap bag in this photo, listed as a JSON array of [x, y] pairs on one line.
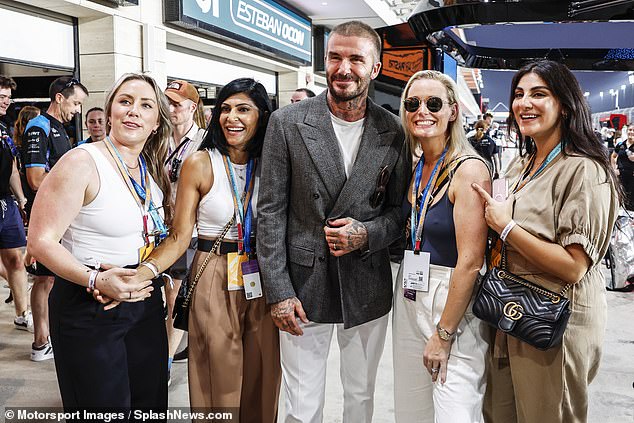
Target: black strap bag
[[520, 308], [183, 299]]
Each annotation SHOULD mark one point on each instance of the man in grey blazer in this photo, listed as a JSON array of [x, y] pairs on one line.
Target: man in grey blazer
[[334, 172]]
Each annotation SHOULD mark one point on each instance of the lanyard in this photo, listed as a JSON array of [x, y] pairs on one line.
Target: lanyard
[[523, 180], [417, 219], [244, 220], [180, 150], [141, 195]]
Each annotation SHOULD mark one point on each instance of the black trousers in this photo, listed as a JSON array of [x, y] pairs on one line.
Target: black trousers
[[106, 360], [627, 181]]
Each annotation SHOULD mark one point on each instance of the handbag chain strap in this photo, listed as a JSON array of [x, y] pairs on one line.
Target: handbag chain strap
[[545, 292], [204, 265]]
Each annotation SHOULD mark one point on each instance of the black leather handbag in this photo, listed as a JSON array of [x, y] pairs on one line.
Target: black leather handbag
[[522, 309], [183, 298]]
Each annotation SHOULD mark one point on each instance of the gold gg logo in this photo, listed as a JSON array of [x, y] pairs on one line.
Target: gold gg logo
[[513, 310]]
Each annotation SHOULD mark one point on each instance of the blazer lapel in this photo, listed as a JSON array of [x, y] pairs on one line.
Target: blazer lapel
[[322, 145], [375, 144]]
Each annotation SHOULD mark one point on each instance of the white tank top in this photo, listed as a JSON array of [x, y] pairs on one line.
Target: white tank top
[[110, 228], [216, 207]]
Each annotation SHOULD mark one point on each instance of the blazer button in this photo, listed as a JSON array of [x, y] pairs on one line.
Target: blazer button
[[322, 258], [315, 196]]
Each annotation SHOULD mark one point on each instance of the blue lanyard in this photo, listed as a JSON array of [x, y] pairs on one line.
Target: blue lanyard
[[551, 156], [159, 225], [416, 219], [245, 220]]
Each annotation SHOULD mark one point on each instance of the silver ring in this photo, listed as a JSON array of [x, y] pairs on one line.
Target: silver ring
[[434, 370], [334, 246]]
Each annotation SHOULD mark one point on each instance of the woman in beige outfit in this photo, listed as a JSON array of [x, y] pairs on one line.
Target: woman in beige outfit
[[234, 357], [557, 225]]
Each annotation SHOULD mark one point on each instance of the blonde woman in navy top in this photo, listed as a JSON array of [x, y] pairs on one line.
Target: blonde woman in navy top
[[439, 353]]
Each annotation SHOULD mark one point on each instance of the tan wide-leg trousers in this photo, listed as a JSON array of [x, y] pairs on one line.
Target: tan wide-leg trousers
[[234, 358]]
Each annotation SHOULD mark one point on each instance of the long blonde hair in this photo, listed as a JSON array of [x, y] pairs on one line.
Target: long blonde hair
[[156, 147], [457, 144]]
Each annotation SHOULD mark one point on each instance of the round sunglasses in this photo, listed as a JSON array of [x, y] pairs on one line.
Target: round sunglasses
[[433, 104]]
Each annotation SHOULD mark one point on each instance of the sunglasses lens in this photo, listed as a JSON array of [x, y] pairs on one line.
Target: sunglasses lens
[[434, 104], [411, 104]]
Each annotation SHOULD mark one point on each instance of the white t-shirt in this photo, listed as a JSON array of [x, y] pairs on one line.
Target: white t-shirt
[[349, 138]]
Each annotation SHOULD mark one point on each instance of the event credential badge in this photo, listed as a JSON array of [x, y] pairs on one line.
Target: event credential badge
[[234, 271], [416, 271], [251, 277]]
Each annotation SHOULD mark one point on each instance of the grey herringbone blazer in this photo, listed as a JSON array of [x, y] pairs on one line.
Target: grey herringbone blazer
[[303, 184]]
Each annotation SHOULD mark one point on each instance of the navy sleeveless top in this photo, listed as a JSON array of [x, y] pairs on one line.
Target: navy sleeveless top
[[439, 232]]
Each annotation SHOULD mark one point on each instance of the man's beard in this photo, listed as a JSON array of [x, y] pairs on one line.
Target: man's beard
[[362, 86]]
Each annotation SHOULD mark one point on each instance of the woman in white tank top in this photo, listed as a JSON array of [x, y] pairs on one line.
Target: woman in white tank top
[[105, 201], [233, 343]]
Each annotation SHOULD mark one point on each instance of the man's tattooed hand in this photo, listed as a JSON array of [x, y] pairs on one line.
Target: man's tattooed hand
[[345, 235], [283, 315]]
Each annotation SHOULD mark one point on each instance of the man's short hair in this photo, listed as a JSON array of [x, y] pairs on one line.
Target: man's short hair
[[94, 109], [487, 114], [7, 82], [309, 93], [360, 29], [65, 85]]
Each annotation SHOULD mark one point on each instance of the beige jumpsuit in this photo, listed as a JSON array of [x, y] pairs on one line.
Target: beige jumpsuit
[[570, 202]]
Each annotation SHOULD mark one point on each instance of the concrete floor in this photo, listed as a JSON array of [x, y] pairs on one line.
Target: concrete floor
[[26, 383]]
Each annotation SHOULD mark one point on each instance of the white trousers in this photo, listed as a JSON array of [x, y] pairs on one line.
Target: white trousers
[[416, 397], [304, 361]]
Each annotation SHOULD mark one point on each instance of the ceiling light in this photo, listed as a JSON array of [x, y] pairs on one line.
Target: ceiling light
[[586, 94], [324, 3], [623, 87]]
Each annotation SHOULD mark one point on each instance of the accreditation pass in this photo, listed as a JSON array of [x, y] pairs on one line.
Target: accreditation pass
[[416, 271]]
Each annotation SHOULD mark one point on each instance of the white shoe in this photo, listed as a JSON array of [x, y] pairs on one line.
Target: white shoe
[[45, 352], [24, 322]]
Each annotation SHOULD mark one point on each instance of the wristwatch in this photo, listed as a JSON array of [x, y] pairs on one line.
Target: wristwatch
[[444, 334]]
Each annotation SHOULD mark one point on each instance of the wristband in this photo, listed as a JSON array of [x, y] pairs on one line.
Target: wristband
[[507, 229], [152, 267], [92, 279]]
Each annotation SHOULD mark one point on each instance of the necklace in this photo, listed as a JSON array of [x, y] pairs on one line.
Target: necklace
[[132, 167]]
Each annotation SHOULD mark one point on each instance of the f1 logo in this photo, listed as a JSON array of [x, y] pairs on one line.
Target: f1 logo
[[207, 5]]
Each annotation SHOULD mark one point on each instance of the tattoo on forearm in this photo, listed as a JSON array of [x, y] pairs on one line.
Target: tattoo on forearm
[[356, 235]]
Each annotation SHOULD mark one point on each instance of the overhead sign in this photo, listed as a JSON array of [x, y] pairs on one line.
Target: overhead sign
[[261, 24], [401, 64]]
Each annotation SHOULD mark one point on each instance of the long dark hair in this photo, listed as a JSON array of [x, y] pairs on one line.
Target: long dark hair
[[215, 138], [577, 136]]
